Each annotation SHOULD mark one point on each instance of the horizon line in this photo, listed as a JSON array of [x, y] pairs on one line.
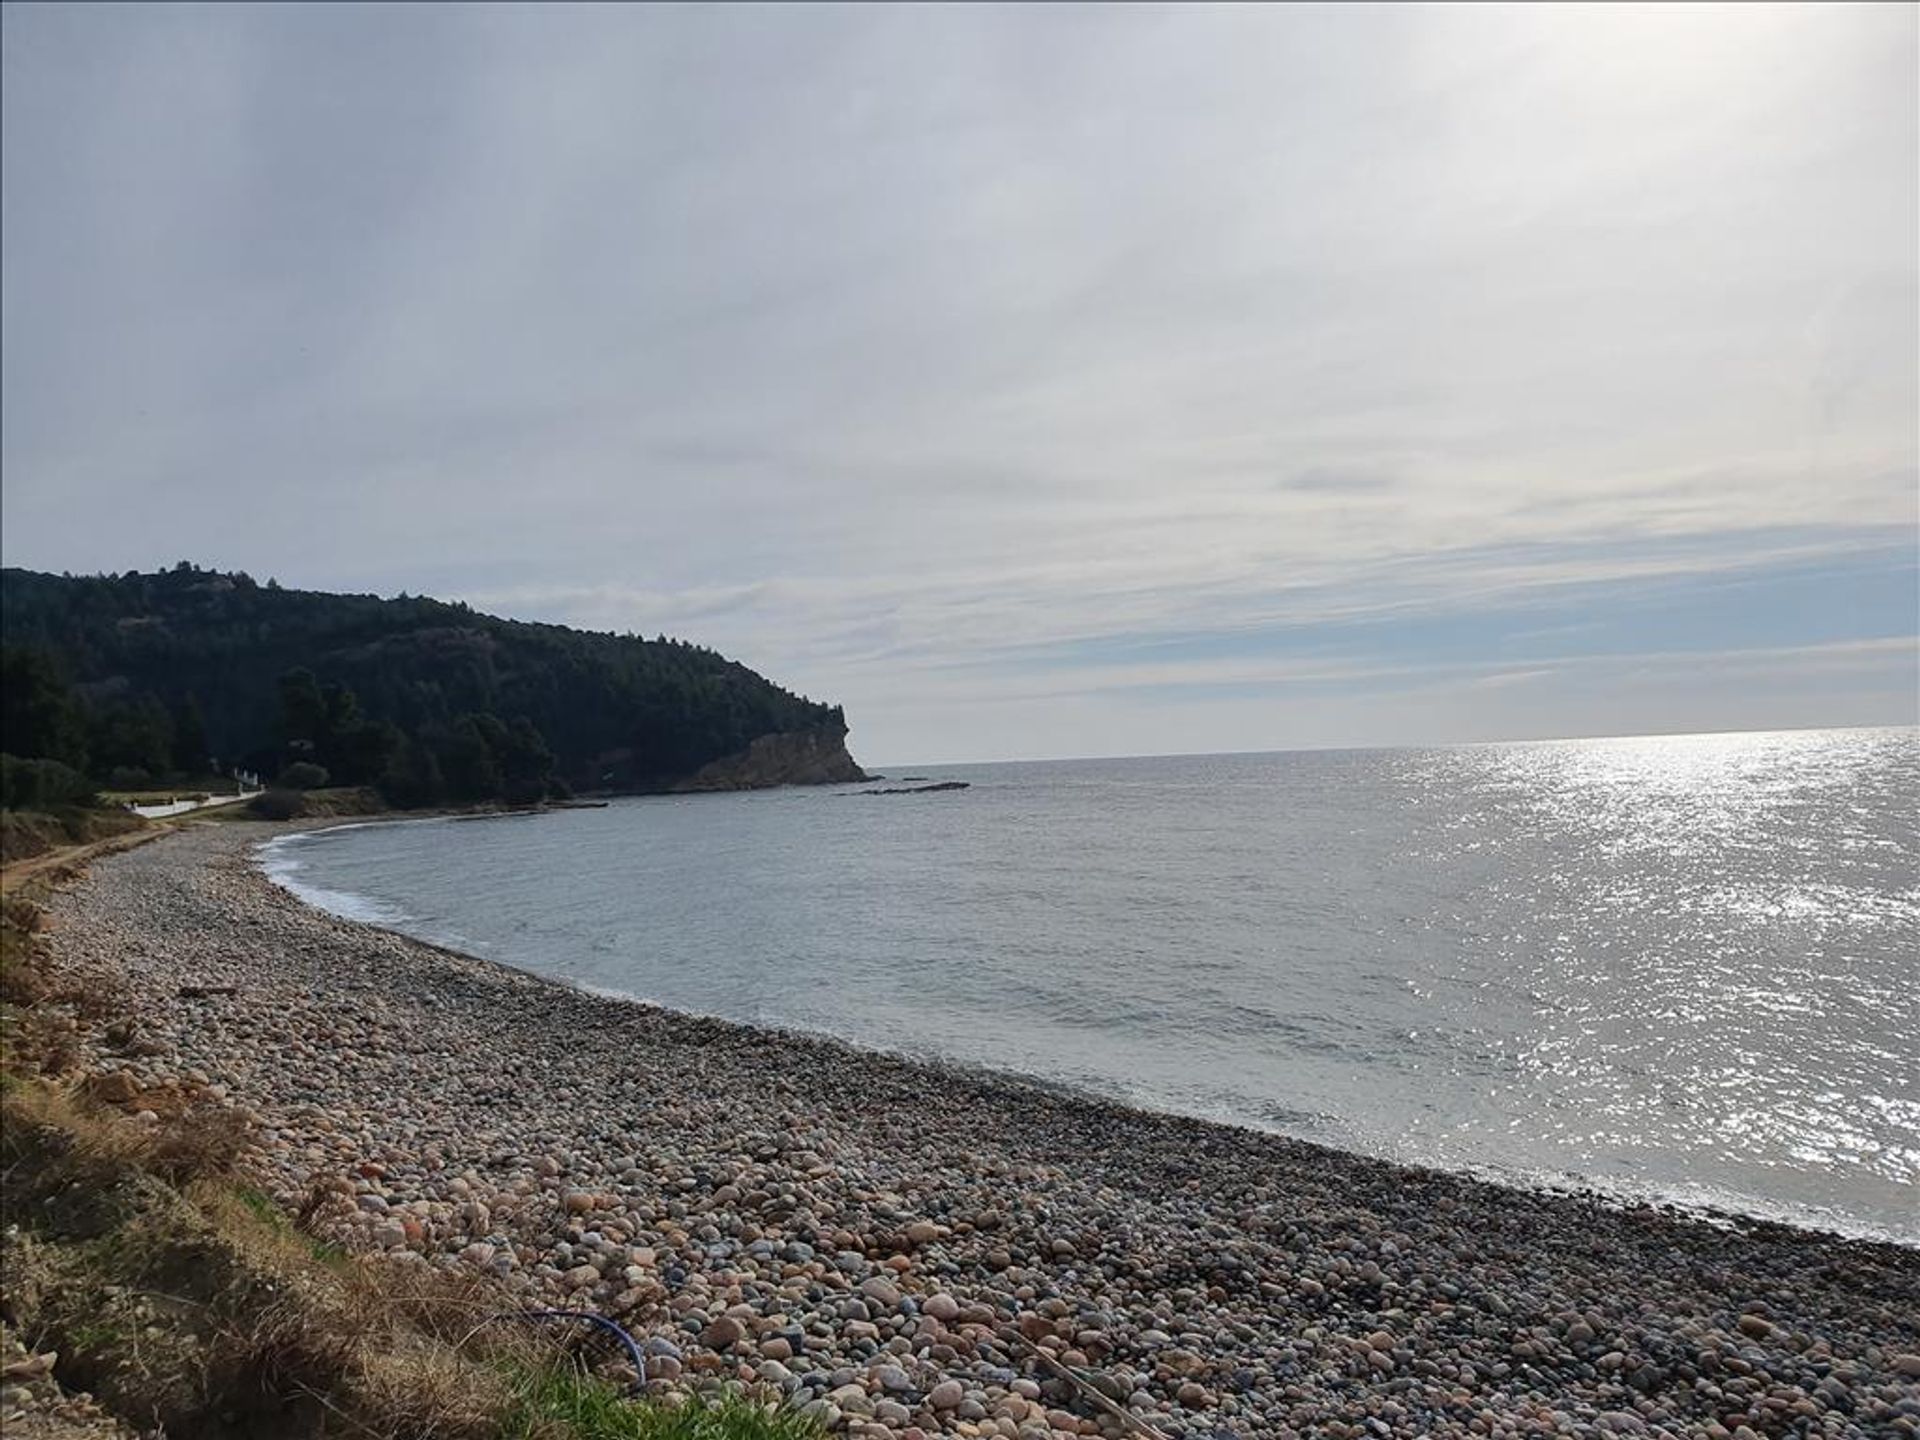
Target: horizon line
[[1431, 745]]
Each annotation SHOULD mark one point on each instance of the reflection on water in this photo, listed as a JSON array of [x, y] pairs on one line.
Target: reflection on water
[[1683, 966], [1726, 950]]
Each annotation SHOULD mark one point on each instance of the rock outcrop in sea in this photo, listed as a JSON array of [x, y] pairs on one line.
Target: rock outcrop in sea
[[794, 757]]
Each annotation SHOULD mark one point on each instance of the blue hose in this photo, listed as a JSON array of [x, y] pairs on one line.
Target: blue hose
[[617, 1331]]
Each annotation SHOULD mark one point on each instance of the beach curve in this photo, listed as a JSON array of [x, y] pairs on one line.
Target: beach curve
[[893, 1244]]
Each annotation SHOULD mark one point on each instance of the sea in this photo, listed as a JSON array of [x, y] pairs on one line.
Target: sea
[[1676, 969]]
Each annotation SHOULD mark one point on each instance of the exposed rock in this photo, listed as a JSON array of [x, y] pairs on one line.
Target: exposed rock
[[794, 757], [30, 1368]]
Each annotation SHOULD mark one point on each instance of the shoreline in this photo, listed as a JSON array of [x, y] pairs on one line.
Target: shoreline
[[1725, 1211], [856, 1230]]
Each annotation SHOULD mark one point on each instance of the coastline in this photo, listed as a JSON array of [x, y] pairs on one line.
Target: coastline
[[1719, 1208], [857, 1229], [1687, 1197]]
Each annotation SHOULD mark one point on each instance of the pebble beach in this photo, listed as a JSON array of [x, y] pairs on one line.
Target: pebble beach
[[910, 1250]]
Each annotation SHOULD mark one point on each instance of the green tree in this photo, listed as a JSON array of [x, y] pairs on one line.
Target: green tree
[[323, 725], [131, 736], [39, 718], [190, 748], [467, 759], [42, 784], [304, 722], [412, 777], [342, 709], [526, 764], [359, 755], [612, 710]]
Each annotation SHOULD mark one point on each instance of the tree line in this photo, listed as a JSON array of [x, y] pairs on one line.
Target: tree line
[[68, 749], [125, 681]]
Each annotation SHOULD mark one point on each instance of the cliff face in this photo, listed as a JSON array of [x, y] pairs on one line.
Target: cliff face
[[795, 757]]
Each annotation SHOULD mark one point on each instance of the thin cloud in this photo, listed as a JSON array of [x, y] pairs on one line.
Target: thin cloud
[[875, 347], [1333, 480]]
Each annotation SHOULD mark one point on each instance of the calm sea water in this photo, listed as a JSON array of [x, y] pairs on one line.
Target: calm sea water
[[1676, 967]]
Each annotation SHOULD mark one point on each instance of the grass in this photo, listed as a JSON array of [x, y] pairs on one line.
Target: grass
[[194, 786], [589, 1409], [330, 803], [189, 1301], [263, 1207]]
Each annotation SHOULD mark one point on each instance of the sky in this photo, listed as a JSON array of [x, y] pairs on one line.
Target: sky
[[1034, 381]]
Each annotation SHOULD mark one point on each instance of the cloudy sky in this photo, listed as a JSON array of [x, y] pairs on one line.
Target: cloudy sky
[[1035, 381]]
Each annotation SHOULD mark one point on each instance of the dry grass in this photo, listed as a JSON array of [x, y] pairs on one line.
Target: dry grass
[[332, 803], [190, 1303], [25, 834], [181, 1297]]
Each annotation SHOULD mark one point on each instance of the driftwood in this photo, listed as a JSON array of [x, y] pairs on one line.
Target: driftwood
[[1081, 1385], [201, 992]]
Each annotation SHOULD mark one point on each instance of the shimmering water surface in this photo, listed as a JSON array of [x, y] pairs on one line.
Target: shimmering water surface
[[1685, 967]]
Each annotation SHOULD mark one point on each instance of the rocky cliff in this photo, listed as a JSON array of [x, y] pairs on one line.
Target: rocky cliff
[[794, 757]]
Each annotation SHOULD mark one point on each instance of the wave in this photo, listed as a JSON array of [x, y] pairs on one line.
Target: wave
[[280, 865]]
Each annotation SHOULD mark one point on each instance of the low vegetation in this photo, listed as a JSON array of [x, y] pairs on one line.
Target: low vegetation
[[27, 833], [143, 1267], [278, 804]]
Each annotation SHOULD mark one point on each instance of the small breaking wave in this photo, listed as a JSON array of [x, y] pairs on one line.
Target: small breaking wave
[[280, 863]]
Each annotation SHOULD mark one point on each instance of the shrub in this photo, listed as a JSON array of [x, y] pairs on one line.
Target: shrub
[[277, 804], [129, 777], [303, 775], [42, 784]]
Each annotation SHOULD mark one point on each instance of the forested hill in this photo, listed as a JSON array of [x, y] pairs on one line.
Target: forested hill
[[428, 694]]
